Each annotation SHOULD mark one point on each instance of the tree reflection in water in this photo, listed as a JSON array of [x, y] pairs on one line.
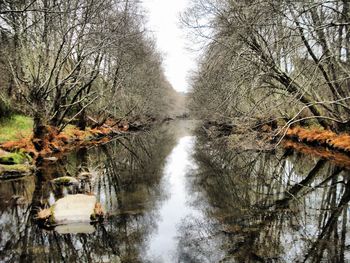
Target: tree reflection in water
[[124, 175], [266, 207], [255, 206]]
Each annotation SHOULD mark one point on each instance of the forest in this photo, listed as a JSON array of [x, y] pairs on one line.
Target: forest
[[102, 159], [286, 61], [82, 62], [70, 62]]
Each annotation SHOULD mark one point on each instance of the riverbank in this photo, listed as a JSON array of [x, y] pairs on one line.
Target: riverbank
[[319, 137], [59, 142], [19, 151], [267, 135], [240, 135]]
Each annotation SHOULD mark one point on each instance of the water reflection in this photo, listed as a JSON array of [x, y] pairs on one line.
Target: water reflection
[[280, 207], [173, 196], [124, 175], [175, 208]]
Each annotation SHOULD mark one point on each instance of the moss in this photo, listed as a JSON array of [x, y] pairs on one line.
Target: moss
[[52, 217], [15, 170], [16, 167], [15, 158], [17, 127], [65, 180]]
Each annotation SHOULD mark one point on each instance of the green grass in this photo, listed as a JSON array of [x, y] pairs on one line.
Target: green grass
[[15, 128]]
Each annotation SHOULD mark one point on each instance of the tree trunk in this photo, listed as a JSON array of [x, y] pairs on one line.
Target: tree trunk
[[293, 88], [39, 128], [82, 120]]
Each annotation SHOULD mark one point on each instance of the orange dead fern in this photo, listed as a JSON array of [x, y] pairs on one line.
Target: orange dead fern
[[340, 142]]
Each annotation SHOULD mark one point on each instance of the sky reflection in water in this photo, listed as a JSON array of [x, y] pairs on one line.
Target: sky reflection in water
[[174, 196]]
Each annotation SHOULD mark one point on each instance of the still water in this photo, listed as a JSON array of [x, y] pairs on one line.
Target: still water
[[173, 196]]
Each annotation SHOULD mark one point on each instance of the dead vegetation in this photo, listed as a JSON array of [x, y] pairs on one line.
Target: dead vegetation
[[264, 135], [55, 142], [338, 158], [98, 210], [44, 214], [319, 137]]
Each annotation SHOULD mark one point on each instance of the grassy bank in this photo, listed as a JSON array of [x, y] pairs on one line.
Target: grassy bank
[[16, 135], [15, 128], [18, 149]]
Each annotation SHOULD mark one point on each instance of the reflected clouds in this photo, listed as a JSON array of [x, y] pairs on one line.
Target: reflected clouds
[[172, 192]]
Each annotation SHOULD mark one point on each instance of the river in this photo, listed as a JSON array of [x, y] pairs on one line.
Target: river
[[171, 195]]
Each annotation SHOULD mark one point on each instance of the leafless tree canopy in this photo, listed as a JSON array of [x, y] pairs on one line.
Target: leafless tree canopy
[[61, 60], [280, 59]]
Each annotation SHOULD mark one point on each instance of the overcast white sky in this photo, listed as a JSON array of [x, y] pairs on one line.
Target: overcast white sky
[[163, 17]]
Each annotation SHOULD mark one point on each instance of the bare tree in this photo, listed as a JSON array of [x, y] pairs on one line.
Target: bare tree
[[274, 58], [69, 58]]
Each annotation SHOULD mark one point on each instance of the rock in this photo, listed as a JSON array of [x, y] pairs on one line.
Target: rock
[[51, 159], [75, 228], [65, 180], [14, 158], [15, 170], [72, 214], [84, 175], [74, 209]]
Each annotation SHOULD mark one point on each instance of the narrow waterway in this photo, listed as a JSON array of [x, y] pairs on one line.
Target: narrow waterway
[[171, 195], [176, 207]]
